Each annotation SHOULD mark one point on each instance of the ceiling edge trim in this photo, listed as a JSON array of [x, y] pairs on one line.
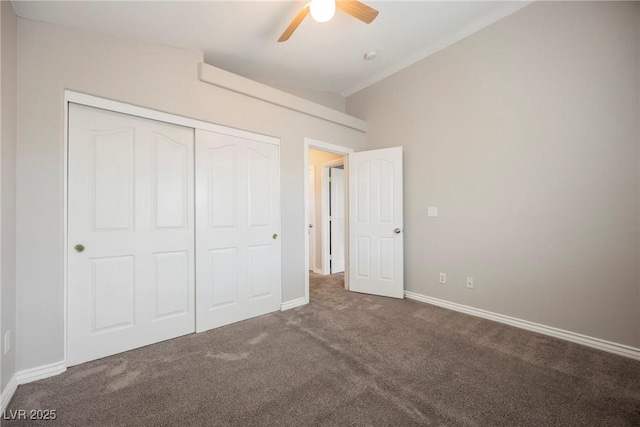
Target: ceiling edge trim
[[509, 8], [233, 82]]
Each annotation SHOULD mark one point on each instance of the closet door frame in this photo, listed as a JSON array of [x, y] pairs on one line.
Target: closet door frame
[[132, 110]]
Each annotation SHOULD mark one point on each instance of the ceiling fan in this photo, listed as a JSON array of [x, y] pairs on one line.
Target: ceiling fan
[[323, 10]]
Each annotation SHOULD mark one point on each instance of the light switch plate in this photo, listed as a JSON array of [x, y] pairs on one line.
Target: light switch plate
[[432, 211]]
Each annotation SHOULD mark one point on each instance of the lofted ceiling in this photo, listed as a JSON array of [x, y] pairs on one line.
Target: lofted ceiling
[[240, 36]]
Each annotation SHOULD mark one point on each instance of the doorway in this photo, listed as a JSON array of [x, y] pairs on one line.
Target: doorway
[[327, 161]]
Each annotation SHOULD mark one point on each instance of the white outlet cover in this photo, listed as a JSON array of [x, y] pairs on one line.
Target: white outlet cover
[[470, 282], [443, 277], [432, 211]]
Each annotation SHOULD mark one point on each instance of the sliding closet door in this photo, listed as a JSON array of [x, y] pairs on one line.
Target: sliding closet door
[[130, 233], [237, 229]]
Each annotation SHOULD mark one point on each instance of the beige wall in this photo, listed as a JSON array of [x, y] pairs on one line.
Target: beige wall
[[8, 136], [53, 58], [526, 136], [317, 158], [328, 99]]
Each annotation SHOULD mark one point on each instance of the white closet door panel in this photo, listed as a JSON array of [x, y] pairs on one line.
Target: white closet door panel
[[237, 229], [131, 207]]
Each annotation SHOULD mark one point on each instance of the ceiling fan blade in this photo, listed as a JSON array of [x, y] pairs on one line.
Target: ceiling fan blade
[[294, 24], [358, 10]]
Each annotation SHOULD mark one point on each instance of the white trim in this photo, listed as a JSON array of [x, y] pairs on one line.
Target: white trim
[[320, 145], [120, 107], [41, 372], [293, 304], [235, 83], [507, 9], [65, 222], [311, 219], [608, 346], [8, 393], [324, 207]]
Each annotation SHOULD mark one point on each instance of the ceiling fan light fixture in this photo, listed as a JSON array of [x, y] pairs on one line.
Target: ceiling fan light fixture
[[322, 10]]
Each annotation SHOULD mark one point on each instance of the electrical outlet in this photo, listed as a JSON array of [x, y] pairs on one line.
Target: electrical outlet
[[432, 211], [7, 341], [470, 282], [443, 277]]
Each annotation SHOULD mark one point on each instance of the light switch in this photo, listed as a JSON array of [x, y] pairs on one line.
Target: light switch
[[431, 211]]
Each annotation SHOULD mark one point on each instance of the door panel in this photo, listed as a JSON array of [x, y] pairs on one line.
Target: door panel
[[171, 166], [172, 283], [375, 222], [337, 214], [130, 205], [238, 229]]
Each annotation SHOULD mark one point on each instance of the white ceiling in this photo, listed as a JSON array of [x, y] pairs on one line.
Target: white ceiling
[[240, 36]]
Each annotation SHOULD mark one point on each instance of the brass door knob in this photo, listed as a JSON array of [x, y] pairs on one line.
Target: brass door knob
[[79, 248], [397, 231], [275, 236]]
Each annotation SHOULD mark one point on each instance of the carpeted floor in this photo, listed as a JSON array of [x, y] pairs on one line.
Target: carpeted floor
[[347, 359]]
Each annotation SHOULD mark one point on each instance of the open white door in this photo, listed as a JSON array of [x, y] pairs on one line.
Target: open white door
[[238, 264], [336, 218], [375, 222]]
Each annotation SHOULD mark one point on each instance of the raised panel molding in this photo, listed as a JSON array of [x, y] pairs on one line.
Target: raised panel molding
[[386, 199], [113, 166], [259, 185], [172, 279], [363, 256], [363, 209], [113, 287], [224, 267], [222, 186], [259, 268], [171, 182], [386, 246]]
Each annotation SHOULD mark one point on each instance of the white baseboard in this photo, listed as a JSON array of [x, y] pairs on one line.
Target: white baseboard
[[293, 304], [41, 372], [8, 393], [608, 346]]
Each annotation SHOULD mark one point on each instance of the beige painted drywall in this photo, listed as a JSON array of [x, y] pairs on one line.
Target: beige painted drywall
[[8, 138], [317, 158], [525, 135], [328, 99], [54, 58]]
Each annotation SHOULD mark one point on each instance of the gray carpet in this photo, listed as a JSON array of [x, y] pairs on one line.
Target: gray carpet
[[347, 359]]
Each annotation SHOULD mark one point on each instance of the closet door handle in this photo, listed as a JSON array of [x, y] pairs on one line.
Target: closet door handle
[[275, 236]]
